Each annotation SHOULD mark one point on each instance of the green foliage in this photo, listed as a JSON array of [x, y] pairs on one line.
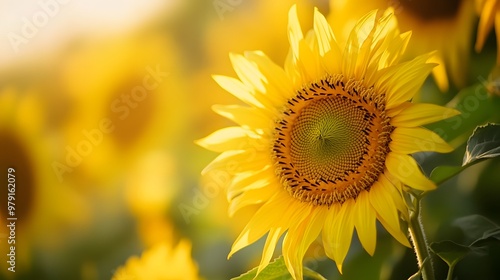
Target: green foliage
[[479, 232], [449, 251], [484, 143], [441, 174], [276, 270]]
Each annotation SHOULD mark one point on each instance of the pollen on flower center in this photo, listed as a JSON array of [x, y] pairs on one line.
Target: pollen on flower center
[[432, 10], [332, 141]]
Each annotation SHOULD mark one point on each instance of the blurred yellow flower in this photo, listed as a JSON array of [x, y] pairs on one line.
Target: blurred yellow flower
[[43, 210], [125, 100], [161, 262], [325, 143], [445, 26], [489, 11], [151, 186]]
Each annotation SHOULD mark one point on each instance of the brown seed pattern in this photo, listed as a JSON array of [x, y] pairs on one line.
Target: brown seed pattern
[[332, 141]]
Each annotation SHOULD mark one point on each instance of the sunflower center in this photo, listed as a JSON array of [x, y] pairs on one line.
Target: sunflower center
[[133, 112], [431, 9], [326, 132], [332, 141]]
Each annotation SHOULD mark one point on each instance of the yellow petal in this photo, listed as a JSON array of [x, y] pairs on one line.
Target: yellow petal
[[382, 202], [248, 72], [387, 212], [308, 64], [236, 161], [277, 213], [248, 117], [401, 82], [343, 230], [485, 23], [421, 114], [255, 81], [294, 31], [395, 50], [250, 180], [439, 72], [269, 247], [300, 237], [406, 169], [407, 140], [497, 28], [364, 221], [330, 61], [398, 109], [276, 76], [238, 89], [394, 188], [228, 138], [251, 197], [352, 49], [328, 230], [270, 215], [375, 37], [324, 33], [399, 235]]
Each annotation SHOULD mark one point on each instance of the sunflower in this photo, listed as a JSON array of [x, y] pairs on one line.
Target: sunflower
[[162, 261], [41, 222], [122, 93], [445, 26], [323, 147], [490, 14]]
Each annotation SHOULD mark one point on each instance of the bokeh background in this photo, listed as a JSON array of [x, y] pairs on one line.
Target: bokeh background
[[100, 105]]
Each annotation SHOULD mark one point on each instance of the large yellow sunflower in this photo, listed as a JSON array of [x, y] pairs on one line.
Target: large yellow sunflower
[[490, 14], [445, 26], [324, 145]]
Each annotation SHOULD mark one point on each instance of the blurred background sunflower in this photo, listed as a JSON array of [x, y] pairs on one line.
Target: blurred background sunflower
[[100, 104], [445, 26], [47, 212]]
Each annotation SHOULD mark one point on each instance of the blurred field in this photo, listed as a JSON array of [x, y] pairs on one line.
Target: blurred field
[[100, 105]]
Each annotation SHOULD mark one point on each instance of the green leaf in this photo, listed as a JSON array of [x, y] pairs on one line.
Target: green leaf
[[441, 174], [488, 237], [450, 251], [478, 230], [276, 270], [484, 143]]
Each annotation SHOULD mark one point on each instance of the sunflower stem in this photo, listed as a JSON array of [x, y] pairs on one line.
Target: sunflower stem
[[420, 244]]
